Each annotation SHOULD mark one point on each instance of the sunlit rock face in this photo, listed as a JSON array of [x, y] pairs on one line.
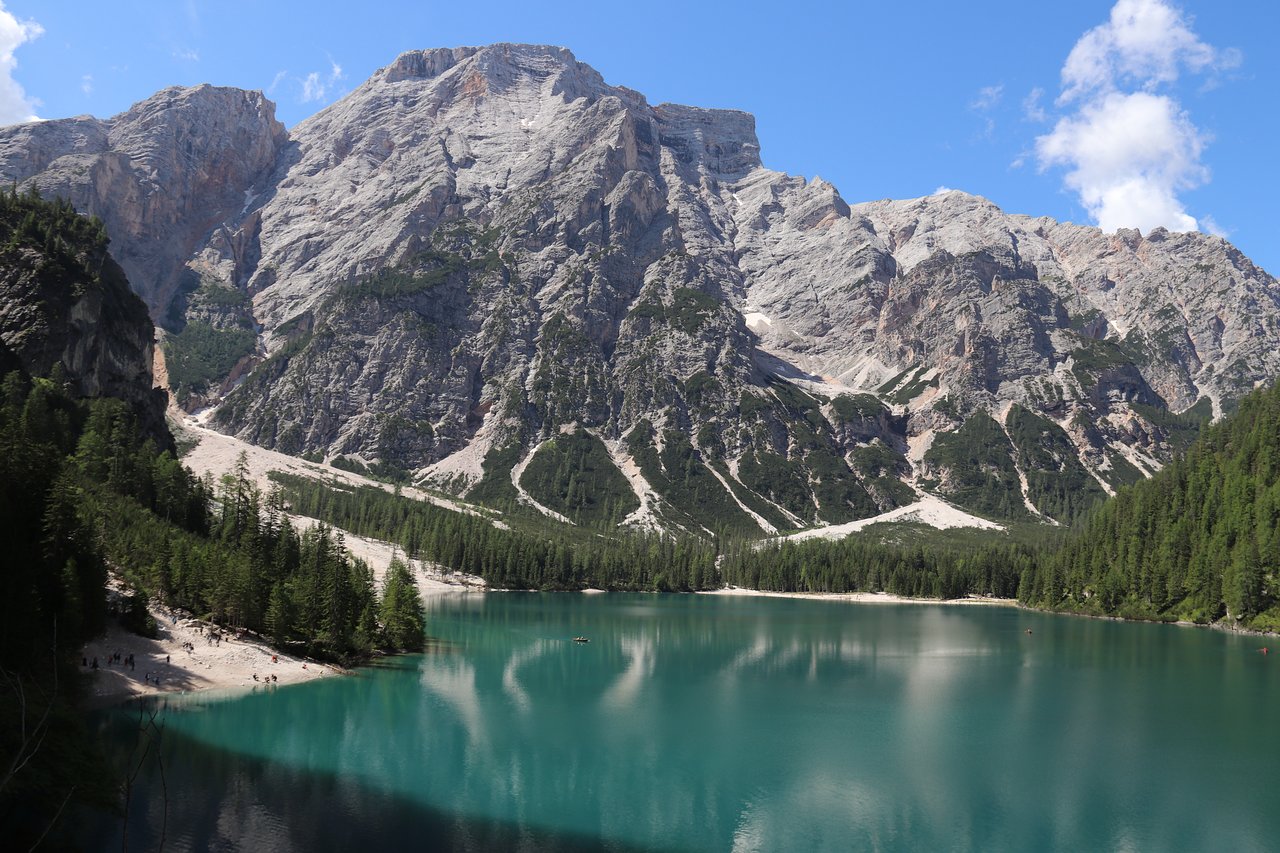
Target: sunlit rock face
[[480, 251], [165, 176]]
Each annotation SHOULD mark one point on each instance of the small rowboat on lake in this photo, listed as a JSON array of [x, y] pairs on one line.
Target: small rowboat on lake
[[581, 640]]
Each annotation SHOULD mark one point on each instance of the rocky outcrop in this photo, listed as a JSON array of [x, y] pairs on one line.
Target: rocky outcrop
[[66, 309], [481, 248], [165, 176]]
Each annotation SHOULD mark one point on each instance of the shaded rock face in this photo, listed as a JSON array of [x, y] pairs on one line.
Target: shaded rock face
[[87, 324], [480, 248]]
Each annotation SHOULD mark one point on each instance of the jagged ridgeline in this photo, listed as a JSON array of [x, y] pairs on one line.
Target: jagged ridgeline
[[488, 270], [1198, 541]]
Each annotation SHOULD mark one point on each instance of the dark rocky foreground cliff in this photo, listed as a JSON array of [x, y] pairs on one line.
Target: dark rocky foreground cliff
[[66, 309], [488, 269]]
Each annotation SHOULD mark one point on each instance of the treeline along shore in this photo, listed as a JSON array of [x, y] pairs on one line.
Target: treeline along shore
[[1198, 542]]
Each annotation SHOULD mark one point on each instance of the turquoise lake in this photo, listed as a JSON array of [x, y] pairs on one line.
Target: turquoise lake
[[734, 723]]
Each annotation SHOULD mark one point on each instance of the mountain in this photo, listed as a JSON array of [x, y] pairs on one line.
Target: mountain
[[1198, 541], [66, 309], [489, 270], [162, 176]]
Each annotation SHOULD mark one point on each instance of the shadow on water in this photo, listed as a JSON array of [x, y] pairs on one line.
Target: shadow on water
[[213, 799], [701, 722]]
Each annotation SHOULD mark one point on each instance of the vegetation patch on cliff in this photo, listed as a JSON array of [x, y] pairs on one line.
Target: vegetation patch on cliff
[[977, 469], [200, 355], [573, 474], [1057, 483]]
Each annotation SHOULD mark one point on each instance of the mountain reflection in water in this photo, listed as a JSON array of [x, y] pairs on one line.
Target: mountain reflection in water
[[703, 722]]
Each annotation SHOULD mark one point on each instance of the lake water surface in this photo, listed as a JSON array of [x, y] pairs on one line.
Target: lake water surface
[[735, 723]]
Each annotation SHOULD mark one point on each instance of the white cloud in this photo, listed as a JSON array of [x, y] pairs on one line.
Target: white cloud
[[86, 84], [316, 87], [15, 105], [186, 54], [1145, 42], [943, 190], [1128, 156], [1130, 150]]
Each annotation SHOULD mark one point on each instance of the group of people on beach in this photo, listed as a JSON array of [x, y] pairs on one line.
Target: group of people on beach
[[124, 660], [213, 636], [114, 657]]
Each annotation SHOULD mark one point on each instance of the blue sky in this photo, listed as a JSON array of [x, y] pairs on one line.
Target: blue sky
[[1168, 110]]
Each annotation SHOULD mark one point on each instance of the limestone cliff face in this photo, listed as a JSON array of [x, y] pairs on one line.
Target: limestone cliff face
[[482, 249], [165, 176]]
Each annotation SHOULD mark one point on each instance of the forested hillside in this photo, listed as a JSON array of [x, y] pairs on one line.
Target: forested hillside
[[556, 557], [1198, 541], [81, 492], [86, 487]]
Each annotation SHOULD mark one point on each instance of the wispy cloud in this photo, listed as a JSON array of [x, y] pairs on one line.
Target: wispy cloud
[[86, 84], [1032, 108], [15, 105], [317, 86], [1128, 148], [186, 54], [1211, 226], [988, 97], [312, 88], [276, 81]]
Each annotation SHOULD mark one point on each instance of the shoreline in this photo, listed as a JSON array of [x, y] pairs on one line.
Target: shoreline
[[1175, 623], [863, 597], [164, 666]]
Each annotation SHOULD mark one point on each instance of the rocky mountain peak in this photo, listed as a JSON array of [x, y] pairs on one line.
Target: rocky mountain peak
[[423, 64], [722, 144], [486, 268], [493, 70], [162, 175]]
